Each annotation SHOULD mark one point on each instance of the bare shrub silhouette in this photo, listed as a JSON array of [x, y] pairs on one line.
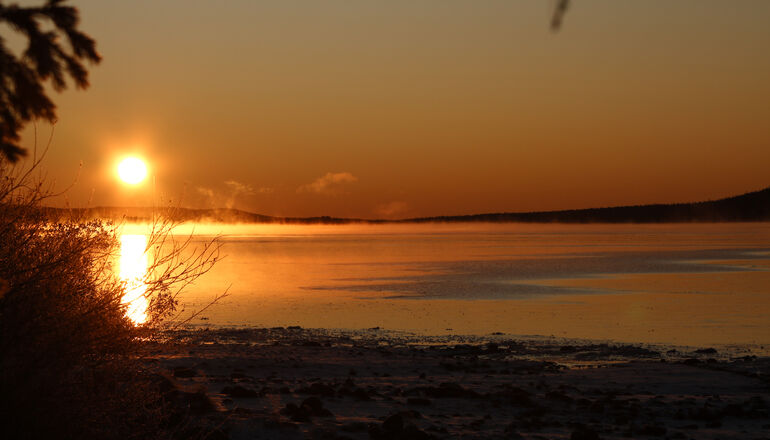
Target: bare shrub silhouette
[[175, 263], [70, 359]]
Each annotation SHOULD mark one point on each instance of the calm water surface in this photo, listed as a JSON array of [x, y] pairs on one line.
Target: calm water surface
[[695, 284]]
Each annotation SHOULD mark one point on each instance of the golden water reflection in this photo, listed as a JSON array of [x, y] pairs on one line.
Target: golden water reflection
[[133, 267]]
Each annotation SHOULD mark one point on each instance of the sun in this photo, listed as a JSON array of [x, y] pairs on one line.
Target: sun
[[132, 170]]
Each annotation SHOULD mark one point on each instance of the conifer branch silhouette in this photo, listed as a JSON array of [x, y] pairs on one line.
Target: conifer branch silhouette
[[23, 76]]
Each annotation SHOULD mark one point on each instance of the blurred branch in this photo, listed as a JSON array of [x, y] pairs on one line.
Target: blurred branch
[[558, 14]]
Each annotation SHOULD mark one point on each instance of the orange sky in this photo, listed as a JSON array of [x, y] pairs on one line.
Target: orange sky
[[417, 108]]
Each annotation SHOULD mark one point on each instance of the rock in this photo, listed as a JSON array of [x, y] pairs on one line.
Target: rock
[[198, 402], [310, 344], [318, 389], [396, 427], [314, 403], [476, 424], [312, 406], [756, 402], [410, 414], [418, 401], [558, 396], [652, 430], [184, 372], [511, 432], [354, 427], [164, 383], [376, 432], [361, 394], [512, 396], [584, 433], [445, 390], [239, 391], [298, 414], [733, 410], [316, 407], [706, 351], [393, 424], [412, 432], [356, 392]]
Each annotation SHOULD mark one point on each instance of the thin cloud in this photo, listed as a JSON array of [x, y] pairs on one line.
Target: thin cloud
[[229, 195], [391, 209], [207, 192], [239, 187], [236, 189], [330, 183]]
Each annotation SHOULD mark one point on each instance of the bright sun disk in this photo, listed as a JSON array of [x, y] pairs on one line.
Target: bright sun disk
[[132, 170]]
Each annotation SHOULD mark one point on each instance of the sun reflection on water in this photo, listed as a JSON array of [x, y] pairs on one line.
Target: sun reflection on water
[[133, 267]]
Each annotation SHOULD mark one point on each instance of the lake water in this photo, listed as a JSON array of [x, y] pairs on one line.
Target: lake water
[[689, 284]]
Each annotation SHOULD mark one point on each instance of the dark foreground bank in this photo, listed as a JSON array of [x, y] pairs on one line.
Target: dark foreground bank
[[299, 383]]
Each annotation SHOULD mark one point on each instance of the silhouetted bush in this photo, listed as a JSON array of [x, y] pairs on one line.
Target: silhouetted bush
[[70, 359]]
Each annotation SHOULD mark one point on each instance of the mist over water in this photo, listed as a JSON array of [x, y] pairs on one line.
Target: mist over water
[[673, 283]]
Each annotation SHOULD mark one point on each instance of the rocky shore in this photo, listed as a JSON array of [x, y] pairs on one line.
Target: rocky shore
[[294, 383]]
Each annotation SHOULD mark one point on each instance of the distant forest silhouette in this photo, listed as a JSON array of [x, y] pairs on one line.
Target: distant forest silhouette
[[749, 207]]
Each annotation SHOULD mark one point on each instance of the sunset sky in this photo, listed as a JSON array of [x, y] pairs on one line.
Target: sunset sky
[[405, 108]]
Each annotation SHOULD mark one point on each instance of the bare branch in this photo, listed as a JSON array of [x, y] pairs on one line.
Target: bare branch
[[558, 14]]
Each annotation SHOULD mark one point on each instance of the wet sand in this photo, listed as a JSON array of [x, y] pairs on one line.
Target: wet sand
[[373, 384]]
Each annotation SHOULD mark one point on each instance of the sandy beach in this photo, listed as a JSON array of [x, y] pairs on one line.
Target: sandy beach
[[373, 384]]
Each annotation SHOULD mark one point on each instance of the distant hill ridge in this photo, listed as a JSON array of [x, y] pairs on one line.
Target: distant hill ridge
[[749, 207], [752, 206]]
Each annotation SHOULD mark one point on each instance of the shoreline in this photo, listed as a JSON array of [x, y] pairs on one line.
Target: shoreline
[[378, 384], [236, 332]]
